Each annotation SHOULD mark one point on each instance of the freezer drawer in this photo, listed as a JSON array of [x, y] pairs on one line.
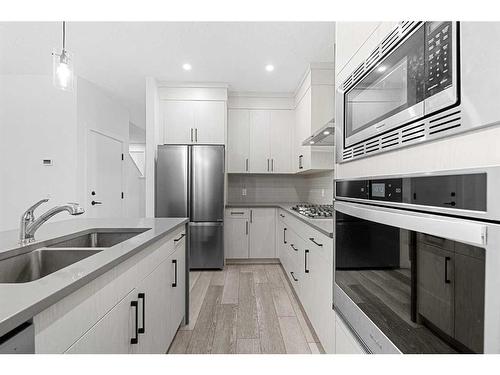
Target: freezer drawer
[[206, 245]]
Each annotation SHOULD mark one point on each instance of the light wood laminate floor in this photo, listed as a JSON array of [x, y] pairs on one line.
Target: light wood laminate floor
[[244, 309]]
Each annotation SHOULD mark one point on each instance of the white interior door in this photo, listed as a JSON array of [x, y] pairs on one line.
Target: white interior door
[[104, 176]]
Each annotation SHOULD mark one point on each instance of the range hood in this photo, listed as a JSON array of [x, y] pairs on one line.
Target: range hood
[[322, 137]]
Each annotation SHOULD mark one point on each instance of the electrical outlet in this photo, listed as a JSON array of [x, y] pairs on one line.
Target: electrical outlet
[[244, 192]]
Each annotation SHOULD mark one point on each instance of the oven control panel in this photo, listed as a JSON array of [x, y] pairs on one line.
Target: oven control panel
[[387, 190], [438, 45]]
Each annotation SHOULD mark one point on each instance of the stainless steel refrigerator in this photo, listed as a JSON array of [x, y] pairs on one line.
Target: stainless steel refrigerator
[[190, 183]]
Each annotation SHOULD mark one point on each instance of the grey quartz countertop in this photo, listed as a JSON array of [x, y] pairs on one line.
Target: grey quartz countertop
[[19, 302], [324, 226]]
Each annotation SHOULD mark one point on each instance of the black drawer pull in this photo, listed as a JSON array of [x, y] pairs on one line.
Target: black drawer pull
[[174, 284], [143, 297], [237, 213], [316, 243], [180, 238], [293, 247], [306, 268], [135, 340], [446, 261], [293, 276], [284, 235], [281, 215]]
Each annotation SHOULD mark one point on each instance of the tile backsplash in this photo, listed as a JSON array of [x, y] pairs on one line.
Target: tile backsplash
[[314, 188]]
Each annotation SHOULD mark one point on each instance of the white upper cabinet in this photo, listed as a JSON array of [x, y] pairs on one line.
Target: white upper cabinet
[[238, 144], [281, 135], [260, 143], [210, 120], [189, 122], [177, 121], [260, 140]]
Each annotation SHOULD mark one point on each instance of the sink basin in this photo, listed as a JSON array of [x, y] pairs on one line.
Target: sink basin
[[39, 263], [98, 239]]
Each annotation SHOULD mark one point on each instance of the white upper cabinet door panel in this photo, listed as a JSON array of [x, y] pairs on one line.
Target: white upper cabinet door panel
[[210, 120], [282, 126], [177, 121], [259, 142], [238, 140]]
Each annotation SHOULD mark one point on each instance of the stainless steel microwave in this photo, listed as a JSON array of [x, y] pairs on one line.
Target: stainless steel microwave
[[425, 80]]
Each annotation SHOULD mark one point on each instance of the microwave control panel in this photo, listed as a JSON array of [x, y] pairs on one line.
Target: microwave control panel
[[438, 54]]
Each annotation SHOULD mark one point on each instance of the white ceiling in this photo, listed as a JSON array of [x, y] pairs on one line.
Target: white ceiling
[[118, 56]]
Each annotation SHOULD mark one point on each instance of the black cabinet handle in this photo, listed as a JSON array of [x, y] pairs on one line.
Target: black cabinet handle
[[284, 235], [446, 261], [237, 213], [293, 276], [135, 340], [174, 284], [93, 203], [281, 215], [293, 247], [246, 228], [180, 238], [143, 297], [452, 203], [306, 268], [316, 243], [300, 161]]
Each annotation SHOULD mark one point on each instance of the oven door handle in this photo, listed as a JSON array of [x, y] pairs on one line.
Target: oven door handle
[[461, 230]]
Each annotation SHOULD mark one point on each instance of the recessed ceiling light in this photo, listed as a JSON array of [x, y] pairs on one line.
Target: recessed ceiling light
[[326, 132], [381, 68], [311, 142], [269, 67], [187, 66]]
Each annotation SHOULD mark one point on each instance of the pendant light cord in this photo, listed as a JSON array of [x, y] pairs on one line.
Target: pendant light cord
[[64, 35]]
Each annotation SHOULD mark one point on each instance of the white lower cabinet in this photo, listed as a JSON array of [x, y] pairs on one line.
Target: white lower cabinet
[[136, 307], [306, 256], [345, 341], [250, 233]]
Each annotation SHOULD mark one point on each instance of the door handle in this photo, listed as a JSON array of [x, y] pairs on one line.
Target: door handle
[[196, 135], [251, 216], [316, 243], [174, 262], [268, 165], [293, 276], [284, 235], [93, 203], [293, 247], [191, 134], [246, 232], [281, 215], [300, 161], [272, 165], [306, 269], [246, 164], [135, 339], [446, 280], [143, 297]]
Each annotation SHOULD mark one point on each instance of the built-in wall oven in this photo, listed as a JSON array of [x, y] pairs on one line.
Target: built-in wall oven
[[417, 261], [425, 80]]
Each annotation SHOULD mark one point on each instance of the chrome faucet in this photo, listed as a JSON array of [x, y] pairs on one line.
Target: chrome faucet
[[29, 224]]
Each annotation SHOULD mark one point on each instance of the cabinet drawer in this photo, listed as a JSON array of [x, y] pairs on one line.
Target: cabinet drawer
[[62, 324], [241, 213]]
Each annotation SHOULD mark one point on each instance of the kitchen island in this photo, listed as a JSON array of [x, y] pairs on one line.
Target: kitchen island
[[139, 280]]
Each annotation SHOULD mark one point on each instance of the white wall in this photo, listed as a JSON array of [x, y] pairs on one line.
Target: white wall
[[37, 122]]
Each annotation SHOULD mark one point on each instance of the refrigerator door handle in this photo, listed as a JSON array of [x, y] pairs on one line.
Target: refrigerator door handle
[[196, 135], [191, 135]]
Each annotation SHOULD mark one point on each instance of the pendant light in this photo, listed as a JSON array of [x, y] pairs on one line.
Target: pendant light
[[62, 66]]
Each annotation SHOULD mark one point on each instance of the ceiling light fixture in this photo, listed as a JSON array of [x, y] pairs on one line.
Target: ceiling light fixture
[[381, 68], [269, 67], [187, 66], [62, 66], [311, 142], [326, 132]]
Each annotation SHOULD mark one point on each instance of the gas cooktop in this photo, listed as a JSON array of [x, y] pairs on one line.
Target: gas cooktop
[[315, 211]]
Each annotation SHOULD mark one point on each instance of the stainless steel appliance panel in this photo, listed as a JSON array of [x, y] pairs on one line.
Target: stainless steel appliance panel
[[172, 183], [206, 245], [207, 183]]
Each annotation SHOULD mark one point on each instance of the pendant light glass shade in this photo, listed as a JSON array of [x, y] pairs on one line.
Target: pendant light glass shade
[[62, 70], [62, 66]]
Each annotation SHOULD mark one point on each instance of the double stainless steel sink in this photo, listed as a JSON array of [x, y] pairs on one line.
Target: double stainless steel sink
[[54, 255]]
